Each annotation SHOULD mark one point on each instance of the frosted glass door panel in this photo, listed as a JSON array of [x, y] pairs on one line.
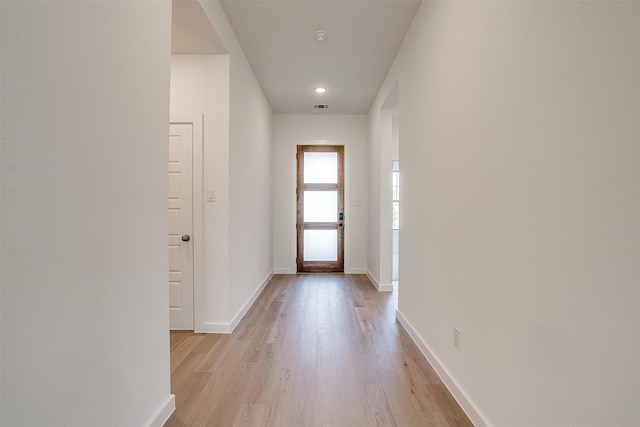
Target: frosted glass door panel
[[320, 245], [320, 168], [319, 209], [320, 206]]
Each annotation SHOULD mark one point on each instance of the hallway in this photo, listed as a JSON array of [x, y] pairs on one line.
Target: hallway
[[313, 350]]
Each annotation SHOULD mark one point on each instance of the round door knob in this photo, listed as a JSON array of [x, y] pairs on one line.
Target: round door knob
[[186, 238]]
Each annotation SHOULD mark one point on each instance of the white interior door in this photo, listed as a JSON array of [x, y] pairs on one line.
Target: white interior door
[[181, 226]]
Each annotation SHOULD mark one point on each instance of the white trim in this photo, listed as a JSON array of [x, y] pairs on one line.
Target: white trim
[[385, 287], [373, 280], [245, 308], [356, 271], [347, 196], [285, 271], [214, 328], [163, 413], [197, 121], [227, 328], [458, 394]]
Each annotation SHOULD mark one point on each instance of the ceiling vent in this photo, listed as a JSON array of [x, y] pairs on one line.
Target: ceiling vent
[[320, 106]]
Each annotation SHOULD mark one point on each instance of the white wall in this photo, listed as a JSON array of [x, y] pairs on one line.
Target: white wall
[[519, 132], [200, 84], [250, 237], [251, 245], [85, 110], [291, 128], [380, 214]]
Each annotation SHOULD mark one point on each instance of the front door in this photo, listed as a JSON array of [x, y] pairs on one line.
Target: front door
[[181, 226], [320, 208]]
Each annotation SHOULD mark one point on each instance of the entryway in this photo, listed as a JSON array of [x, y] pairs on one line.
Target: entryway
[[320, 208]]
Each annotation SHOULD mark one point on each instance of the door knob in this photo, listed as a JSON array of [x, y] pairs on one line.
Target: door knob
[[186, 238]]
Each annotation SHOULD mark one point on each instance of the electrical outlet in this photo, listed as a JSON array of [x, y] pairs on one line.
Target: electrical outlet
[[456, 338]]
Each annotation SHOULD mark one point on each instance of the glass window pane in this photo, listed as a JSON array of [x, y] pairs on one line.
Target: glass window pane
[[320, 168], [320, 245], [396, 215], [320, 206], [396, 186]]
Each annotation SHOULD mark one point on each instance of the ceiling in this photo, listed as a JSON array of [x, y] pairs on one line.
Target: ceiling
[[277, 36]]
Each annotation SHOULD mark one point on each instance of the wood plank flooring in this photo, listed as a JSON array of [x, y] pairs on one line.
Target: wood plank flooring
[[314, 350]]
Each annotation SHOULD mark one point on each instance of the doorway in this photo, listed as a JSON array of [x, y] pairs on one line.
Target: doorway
[[320, 208]]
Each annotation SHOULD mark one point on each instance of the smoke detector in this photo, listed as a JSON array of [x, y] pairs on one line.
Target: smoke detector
[[321, 35]]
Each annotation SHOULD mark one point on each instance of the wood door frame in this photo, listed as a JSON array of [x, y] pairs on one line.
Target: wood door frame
[[300, 188], [197, 211], [292, 191]]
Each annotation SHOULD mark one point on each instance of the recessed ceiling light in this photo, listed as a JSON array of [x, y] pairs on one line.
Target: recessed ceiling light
[[321, 89], [321, 35]]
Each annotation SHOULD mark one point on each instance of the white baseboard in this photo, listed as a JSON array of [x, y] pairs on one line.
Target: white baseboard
[[240, 314], [388, 287], [460, 396], [164, 412], [214, 328], [227, 328], [385, 287], [294, 271]]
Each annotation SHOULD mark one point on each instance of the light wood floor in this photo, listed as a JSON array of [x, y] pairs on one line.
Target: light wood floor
[[313, 350]]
